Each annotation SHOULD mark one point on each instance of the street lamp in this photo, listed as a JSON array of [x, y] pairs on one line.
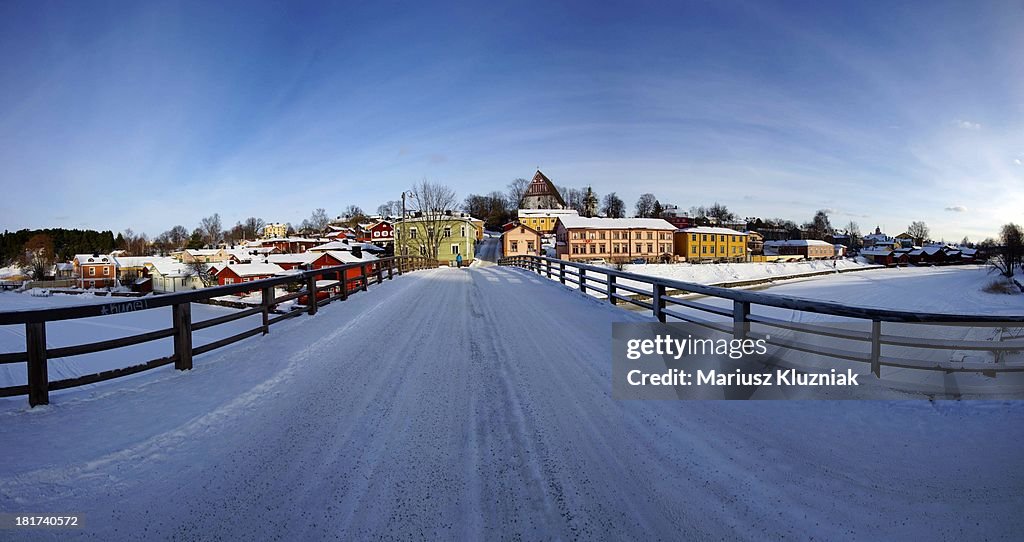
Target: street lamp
[[402, 220]]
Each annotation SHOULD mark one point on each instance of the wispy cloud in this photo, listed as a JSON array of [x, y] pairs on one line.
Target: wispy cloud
[[968, 125], [956, 208]]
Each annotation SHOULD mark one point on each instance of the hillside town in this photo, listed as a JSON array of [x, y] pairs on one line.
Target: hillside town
[[544, 220]]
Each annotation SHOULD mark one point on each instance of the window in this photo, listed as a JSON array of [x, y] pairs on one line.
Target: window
[[455, 249], [575, 249], [529, 246], [229, 281], [638, 249], [712, 249], [601, 248], [721, 238], [704, 249], [650, 235], [423, 251], [463, 231], [650, 247], [92, 271], [704, 237], [515, 246], [412, 233], [430, 232], [693, 249], [601, 236], [106, 271], [448, 231], [593, 248]]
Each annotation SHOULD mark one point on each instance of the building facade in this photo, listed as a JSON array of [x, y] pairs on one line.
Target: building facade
[[95, 270], [543, 220], [613, 239], [451, 235], [709, 244], [520, 240]]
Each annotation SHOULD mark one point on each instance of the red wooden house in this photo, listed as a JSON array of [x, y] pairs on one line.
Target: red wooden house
[[246, 272]]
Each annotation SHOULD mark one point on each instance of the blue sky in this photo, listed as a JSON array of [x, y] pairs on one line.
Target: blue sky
[[144, 115]]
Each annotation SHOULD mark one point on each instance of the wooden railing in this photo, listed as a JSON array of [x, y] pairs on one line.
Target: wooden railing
[[37, 354], [738, 317]]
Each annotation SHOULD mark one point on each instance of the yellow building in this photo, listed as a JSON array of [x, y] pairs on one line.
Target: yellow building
[[275, 231], [543, 220], [706, 244]]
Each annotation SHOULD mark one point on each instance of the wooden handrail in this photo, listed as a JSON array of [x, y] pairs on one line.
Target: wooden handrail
[[36, 355], [661, 306]]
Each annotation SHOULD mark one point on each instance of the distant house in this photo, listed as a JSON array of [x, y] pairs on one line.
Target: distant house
[[905, 240], [519, 240], [347, 245], [247, 272], [202, 255], [755, 243], [167, 276], [811, 249], [95, 270], [63, 270], [879, 239], [711, 244], [382, 233], [277, 229], [883, 255]]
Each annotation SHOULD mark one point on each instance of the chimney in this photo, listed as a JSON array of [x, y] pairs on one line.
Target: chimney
[[357, 251]]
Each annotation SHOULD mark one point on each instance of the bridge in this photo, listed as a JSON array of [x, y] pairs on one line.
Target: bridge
[[475, 403]]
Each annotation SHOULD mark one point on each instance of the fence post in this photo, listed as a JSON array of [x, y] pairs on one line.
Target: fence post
[[183, 336], [611, 290], [311, 292], [740, 311], [380, 273], [659, 302], [876, 348], [268, 303], [38, 379], [561, 272], [362, 275], [547, 265], [583, 279], [391, 269]]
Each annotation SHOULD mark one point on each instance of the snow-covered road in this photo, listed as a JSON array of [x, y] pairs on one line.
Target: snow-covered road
[[476, 403]]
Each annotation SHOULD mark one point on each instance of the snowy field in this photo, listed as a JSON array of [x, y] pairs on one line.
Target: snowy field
[[87, 330], [735, 272], [492, 417]]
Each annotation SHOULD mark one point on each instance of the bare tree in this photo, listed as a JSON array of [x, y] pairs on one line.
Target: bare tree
[[919, 231], [516, 191], [392, 208], [645, 206], [177, 237], [353, 211], [853, 231], [38, 255], [432, 205], [613, 206], [318, 221], [820, 227], [200, 270], [1010, 253], [252, 227], [212, 231]]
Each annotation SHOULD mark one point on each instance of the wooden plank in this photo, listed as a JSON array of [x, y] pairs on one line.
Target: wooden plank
[[13, 357], [227, 318], [100, 346], [267, 305], [659, 302], [38, 381], [227, 340], [111, 374], [183, 336], [876, 348]]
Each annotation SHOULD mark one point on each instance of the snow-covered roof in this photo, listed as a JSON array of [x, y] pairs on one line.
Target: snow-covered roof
[[348, 257], [581, 222], [253, 269], [547, 212], [342, 245], [168, 267], [202, 251], [301, 258], [86, 259], [872, 251], [711, 230], [800, 243]]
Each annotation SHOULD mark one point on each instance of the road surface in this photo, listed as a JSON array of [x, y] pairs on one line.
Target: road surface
[[489, 250], [475, 404]]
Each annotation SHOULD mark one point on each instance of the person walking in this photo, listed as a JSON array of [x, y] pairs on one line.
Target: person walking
[[458, 260]]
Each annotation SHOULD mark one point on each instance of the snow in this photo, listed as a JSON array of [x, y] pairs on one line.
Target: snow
[[492, 417], [712, 230], [87, 330], [799, 243], [574, 221], [254, 269], [718, 273]]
